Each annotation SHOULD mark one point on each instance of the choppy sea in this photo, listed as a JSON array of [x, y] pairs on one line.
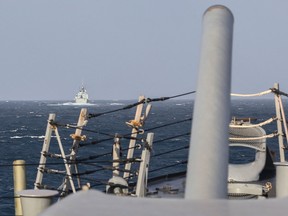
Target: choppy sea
[[23, 126]]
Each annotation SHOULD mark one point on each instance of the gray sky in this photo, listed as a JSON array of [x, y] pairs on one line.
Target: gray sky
[[121, 49]]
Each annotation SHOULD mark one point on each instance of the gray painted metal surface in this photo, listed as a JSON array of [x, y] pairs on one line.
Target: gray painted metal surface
[[96, 203], [208, 152]]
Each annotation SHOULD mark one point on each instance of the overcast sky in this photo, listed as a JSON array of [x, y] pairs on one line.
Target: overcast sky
[[121, 49]]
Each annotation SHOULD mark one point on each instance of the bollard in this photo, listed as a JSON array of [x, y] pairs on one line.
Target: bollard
[[36, 201], [19, 175], [281, 179], [209, 150]]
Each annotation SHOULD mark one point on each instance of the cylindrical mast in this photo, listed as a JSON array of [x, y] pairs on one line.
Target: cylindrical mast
[[208, 154]]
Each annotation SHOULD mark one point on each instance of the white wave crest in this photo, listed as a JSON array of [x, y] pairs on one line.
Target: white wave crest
[[26, 136]]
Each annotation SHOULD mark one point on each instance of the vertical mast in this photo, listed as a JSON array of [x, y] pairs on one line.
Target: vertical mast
[[208, 154]]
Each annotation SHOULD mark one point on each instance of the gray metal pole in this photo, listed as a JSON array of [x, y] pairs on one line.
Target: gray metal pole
[[208, 154]]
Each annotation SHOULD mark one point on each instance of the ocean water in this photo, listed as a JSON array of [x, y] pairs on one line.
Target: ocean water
[[23, 126]]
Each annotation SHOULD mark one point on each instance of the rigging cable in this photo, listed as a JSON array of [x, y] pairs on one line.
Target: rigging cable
[[169, 124], [277, 91], [171, 151], [148, 100], [161, 140], [168, 166]]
